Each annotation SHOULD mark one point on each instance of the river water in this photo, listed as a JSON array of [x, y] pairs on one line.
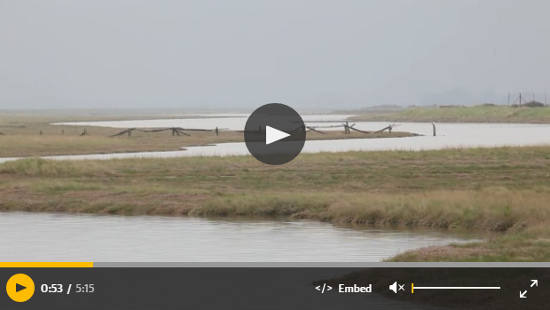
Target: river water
[[449, 135], [64, 237], [53, 237]]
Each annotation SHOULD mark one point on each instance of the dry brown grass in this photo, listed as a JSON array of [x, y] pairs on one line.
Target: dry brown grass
[[501, 191], [22, 138]]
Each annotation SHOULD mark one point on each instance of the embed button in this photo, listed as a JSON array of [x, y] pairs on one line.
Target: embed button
[[354, 289]]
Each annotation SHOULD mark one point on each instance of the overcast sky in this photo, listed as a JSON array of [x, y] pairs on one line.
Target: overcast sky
[[305, 53]]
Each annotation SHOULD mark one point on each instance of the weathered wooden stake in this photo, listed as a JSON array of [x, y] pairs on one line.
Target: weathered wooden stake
[[433, 125]]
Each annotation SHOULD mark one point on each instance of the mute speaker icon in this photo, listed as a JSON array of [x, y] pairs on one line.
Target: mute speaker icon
[[393, 287]]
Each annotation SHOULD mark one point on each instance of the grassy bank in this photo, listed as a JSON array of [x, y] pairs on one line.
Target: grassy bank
[[474, 114], [503, 192], [27, 135]]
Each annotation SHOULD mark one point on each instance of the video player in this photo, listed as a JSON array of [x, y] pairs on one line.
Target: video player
[[310, 154]]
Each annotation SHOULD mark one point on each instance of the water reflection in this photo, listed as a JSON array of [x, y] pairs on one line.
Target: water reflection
[[61, 237]]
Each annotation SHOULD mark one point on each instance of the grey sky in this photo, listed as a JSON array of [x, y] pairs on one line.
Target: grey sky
[[322, 53]]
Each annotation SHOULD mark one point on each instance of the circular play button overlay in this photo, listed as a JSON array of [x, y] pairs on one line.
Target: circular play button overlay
[[274, 134]]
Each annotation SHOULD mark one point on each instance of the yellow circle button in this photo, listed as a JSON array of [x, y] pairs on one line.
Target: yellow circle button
[[20, 287]]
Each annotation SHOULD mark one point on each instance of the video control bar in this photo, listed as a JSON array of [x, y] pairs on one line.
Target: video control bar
[[275, 288]]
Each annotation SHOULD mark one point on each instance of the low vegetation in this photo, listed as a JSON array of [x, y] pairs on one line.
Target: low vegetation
[[29, 135], [502, 193], [474, 114]]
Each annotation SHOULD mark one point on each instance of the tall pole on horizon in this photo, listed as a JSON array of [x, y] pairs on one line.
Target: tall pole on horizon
[[520, 99]]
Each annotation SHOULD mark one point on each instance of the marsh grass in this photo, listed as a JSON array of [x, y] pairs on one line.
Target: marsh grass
[[22, 138], [480, 114], [502, 193]]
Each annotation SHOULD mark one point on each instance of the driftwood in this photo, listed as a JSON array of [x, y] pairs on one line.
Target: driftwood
[[127, 131], [361, 131], [176, 131], [388, 128], [331, 126], [313, 129], [346, 128], [191, 129]]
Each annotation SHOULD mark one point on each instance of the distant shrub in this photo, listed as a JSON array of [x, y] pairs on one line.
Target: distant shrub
[[534, 104], [450, 106]]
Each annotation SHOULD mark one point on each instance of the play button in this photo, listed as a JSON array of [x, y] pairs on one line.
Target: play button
[[274, 134], [19, 287]]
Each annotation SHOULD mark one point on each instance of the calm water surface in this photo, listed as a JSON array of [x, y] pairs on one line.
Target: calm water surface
[[449, 135], [52, 237], [61, 237]]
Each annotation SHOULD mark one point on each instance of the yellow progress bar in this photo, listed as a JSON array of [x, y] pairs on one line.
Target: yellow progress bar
[[412, 288], [46, 265]]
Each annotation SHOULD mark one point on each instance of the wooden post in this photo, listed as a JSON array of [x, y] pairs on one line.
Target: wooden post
[[63, 132], [217, 131], [434, 130], [520, 99]]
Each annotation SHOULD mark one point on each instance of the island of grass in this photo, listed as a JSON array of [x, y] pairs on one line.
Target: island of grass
[[501, 193], [28, 135], [458, 114]]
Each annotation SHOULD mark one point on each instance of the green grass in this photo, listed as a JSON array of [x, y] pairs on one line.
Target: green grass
[[481, 114], [500, 192]]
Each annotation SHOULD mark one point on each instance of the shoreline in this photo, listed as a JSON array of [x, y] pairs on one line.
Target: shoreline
[[450, 189], [55, 142]]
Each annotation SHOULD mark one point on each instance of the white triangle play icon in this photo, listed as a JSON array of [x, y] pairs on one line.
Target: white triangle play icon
[[273, 135]]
